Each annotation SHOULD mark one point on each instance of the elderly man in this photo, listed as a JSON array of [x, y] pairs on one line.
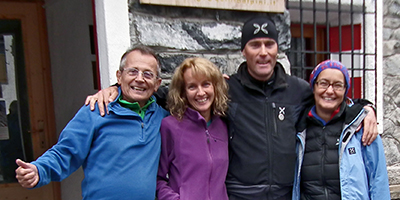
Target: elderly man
[[119, 153], [265, 104]]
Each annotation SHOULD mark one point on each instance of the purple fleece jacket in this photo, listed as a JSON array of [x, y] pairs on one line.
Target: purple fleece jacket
[[194, 156]]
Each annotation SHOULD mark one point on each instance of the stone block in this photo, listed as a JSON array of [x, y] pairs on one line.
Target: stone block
[[395, 192]]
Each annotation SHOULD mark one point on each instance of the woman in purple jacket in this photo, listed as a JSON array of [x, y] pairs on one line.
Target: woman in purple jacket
[[194, 139]]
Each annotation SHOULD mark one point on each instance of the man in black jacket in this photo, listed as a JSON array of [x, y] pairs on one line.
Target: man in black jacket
[[264, 108]]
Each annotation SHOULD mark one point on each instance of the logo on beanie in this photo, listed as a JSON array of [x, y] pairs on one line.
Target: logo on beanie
[[263, 28]]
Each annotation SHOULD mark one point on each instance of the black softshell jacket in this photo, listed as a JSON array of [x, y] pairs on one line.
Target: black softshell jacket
[[262, 121]]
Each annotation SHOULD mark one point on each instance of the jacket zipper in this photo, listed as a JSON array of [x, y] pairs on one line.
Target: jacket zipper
[[142, 135], [270, 147], [274, 118], [211, 161], [322, 162]]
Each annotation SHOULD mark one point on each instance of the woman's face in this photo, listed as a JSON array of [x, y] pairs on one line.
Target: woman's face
[[199, 92], [329, 90]]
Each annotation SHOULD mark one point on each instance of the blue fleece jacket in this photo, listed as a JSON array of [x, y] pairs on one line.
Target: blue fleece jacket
[[119, 153]]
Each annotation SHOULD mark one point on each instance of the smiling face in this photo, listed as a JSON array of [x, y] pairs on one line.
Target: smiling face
[[138, 88], [328, 100], [199, 92], [260, 54]]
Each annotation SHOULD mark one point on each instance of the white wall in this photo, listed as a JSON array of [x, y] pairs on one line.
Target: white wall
[[113, 37], [69, 43]]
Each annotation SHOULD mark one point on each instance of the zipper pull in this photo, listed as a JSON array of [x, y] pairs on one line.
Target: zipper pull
[[208, 137]]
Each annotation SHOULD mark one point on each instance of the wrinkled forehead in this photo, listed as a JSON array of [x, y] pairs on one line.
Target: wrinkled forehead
[[141, 61]]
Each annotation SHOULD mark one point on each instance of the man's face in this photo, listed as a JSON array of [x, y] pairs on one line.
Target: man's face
[[260, 54], [136, 82]]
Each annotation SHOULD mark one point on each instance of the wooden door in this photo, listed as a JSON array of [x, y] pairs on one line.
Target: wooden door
[[27, 127], [307, 49]]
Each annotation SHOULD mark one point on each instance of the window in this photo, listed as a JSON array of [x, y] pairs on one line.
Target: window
[[338, 30]]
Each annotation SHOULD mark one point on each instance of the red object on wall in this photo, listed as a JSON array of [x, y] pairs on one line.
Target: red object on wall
[[356, 82], [346, 38], [346, 41]]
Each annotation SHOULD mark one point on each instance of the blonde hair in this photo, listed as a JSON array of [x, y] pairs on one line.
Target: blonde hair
[[177, 101]]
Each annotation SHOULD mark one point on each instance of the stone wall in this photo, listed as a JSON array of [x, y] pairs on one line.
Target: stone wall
[[180, 32], [391, 92]]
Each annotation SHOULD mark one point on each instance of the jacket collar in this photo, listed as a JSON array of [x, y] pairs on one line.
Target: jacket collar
[[336, 115], [348, 112], [120, 110], [277, 81], [195, 116]]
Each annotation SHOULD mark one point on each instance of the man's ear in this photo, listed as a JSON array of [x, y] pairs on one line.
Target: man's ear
[[157, 84], [119, 75]]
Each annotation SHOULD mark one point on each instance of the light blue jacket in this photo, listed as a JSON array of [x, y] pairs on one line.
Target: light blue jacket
[[363, 173], [119, 153]]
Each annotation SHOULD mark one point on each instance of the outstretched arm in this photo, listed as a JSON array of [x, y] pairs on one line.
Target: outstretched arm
[[103, 97], [27, 174], [370, 127], [370, 123]]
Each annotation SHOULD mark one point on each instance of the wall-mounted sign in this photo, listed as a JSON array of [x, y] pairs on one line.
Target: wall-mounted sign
[[249, 5]]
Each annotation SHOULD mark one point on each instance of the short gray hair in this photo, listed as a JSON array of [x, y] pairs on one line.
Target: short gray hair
[[144, 50]]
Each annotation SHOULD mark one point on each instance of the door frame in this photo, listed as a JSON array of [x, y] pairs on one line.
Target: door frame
[[39, 88]]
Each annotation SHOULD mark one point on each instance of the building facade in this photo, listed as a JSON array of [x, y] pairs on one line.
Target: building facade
[[82, 42]]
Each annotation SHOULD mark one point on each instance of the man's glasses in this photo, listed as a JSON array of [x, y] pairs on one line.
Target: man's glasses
[[324, 84], [135, 72]]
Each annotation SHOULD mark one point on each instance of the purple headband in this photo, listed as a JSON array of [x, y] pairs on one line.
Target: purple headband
[[330, 64]]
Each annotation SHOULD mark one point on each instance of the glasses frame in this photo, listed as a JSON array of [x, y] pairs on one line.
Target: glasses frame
[[148, 75], [334, 87]]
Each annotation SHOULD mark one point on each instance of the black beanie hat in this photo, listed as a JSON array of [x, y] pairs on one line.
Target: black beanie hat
[[258, 27]]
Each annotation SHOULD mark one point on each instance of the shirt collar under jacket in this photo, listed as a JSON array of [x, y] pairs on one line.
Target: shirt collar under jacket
[[135, 106], [335, 115]]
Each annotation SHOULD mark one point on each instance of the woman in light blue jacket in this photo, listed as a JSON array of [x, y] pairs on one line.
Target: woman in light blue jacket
[[332, 161]]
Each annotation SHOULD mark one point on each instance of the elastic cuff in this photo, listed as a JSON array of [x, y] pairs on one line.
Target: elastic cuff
[[372, 106]]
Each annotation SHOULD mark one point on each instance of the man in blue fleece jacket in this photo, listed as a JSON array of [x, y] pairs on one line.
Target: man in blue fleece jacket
[[120, 152]]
